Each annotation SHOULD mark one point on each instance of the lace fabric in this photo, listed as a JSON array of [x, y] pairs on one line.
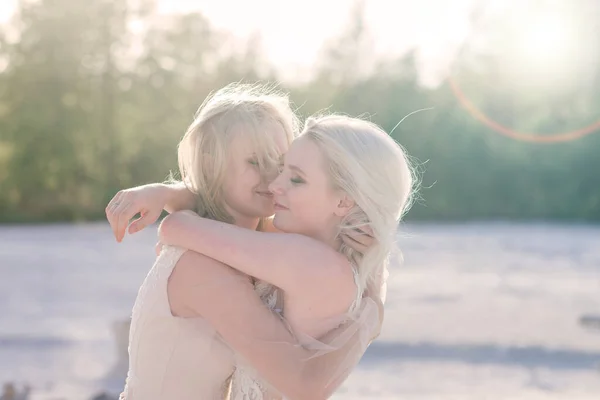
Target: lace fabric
[[353, 331], [245, 382]]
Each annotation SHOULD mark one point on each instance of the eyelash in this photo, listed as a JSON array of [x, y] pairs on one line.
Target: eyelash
[[294, 180]]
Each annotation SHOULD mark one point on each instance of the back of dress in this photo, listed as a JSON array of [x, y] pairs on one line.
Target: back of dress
[[172, 357]]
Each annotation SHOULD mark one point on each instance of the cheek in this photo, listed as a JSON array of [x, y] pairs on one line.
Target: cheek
[[239, 186], [251, 177], [247, 181], [228, 186], [306, 202]]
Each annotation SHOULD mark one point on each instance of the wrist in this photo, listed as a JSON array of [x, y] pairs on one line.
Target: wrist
[[170, 195], [166, 191], [177, 196]]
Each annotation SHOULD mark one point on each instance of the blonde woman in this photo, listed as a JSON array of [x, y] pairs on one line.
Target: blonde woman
[[341, 173], [227, 157]]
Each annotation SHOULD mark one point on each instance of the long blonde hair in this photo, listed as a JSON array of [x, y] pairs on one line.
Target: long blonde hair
[[364, 162], [203, 150]]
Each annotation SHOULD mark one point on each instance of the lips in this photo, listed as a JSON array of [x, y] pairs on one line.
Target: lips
[[279, 206], [265, 194]]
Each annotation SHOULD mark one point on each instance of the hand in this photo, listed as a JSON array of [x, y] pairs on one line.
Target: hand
[[147, 200], [359, 239]]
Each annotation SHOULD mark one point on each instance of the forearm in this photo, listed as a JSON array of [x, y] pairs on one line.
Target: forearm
[[269, 347], [285, 260], [179, 198], [226, 299]]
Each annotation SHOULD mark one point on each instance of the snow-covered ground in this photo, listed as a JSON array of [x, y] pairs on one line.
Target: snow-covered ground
[[477, 311]]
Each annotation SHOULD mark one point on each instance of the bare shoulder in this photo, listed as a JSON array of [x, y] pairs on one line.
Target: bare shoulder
[[198, 278], [194, 268], [326, 298], [342, 279], [316, 250], [314, 261], [333, 278]]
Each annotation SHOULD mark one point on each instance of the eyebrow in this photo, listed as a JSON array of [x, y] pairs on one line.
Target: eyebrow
[[294, 168]]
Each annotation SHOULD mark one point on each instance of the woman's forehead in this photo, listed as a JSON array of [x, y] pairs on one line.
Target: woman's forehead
[[305, 153], [263, 140]]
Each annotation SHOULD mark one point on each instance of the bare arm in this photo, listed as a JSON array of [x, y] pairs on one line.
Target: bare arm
[[290, 261], [148, 201], [226, 299], [179, 198]]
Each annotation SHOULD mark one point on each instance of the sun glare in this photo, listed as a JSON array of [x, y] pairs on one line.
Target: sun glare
[[546, 39]]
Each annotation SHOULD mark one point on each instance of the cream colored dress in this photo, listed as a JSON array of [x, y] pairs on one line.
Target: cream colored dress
[[185, 358], [172, 357], [181, 358]]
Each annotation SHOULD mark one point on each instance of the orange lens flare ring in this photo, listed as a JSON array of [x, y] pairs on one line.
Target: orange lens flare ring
[[511, 133]]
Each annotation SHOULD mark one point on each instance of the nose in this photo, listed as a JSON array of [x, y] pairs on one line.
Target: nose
[[270, 174], [276, 187]]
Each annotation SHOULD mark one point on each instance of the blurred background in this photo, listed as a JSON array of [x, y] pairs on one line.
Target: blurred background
[[499, 292]]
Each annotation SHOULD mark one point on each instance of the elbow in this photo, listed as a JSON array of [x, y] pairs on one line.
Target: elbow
[[168, 226], [307, 385], [312, 388], [316, 394], [164, 228], [309, 394]]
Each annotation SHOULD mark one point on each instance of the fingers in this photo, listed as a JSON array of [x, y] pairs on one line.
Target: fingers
[[110, 211], [351, 242], [359, 239], [120, 210], [146, 219], [124, 213], [364, 230]]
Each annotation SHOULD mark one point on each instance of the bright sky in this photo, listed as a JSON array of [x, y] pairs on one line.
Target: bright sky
[[293, 32]]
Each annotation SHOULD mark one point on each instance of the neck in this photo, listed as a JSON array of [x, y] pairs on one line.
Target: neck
[[246, 222], [243, 221], [329, 237]]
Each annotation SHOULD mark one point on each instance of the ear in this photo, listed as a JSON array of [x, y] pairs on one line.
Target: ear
[[345, 204]]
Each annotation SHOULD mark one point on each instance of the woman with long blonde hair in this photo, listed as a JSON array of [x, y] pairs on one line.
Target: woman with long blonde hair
[[340, 175], [227, 157]]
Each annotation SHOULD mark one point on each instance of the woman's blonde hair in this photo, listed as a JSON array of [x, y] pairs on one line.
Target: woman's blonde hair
[[252, 110], [364, 162]]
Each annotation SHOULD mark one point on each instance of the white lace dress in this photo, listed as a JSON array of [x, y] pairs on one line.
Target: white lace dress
[[246, 383]]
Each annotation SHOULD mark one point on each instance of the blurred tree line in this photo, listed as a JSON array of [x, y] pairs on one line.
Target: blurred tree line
[[95, 95]]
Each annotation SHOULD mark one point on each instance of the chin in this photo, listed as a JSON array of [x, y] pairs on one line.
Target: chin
[[278, 224], [267, 213]]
